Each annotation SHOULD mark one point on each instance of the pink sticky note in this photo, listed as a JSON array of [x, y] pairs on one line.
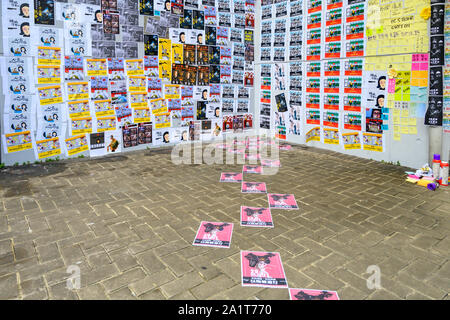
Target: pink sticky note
[[424, 66], [415, 66], [391, 86]]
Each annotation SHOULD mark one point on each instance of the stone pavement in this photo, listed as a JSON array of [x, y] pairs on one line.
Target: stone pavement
[[128, 222]]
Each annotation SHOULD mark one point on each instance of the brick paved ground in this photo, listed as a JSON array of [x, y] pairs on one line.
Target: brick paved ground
[[128, 222]]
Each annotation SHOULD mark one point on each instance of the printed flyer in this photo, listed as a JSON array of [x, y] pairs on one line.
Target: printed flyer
[[231, 177], [282, 201], [312, 294], [256, 217], [262, 269], [214, 234], [253, 187]]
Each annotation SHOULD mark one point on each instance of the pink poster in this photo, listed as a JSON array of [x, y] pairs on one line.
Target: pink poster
[[214, 234], [231, 177], [252, 169], [282, 201], [253, 187], [256, 217], [262, 269], [270, 163], [312, 294]]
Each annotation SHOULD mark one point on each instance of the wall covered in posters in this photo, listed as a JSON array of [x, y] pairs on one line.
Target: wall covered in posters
[[353, 76], [92, 77]]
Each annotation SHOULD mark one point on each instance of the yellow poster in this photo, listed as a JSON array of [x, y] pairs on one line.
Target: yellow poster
[[134, 67], [162, 120], [351, 140], [18, 141], [78, 90], [81, 125], [78, 109], [49, 56], [96, 67], [158, 106], [172, 91], [373, 142], [165, 70], [48, 74], [141, 114], [177, 53], [106, 124], [76, 144], [103, 108], [138, 99], [165, 50], [137, 83], [330, 136], [48, 148], [50, 95], [313, 134]]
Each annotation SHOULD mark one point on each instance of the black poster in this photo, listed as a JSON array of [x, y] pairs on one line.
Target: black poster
[[436, 81], [280, 100], [437, 46], [146, 7], [151, 45], [44, 12], [433, 116], [437, 19]]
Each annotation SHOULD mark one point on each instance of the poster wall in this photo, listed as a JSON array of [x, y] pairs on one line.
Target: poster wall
[[88, 67]]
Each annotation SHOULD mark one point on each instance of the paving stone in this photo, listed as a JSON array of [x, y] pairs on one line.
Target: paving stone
[[123, 279], [9, 287], [212, 287], [153, 295], [179, 285], [92, 292]]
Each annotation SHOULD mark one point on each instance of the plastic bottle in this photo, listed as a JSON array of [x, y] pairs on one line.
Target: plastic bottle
[[444, 174], [436, 166]]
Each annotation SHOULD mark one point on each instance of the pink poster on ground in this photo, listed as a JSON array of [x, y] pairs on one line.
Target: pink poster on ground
[[282, 201], [231, 177], [256, 217], [253, 187], [251, 169], [312, 294], [214, 234], [262, 269], [270, 163]]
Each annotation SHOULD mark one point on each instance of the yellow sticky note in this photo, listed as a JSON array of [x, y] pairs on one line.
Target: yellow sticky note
[[369, 32], [397, 136], [405, 113], [404, 130], [412, 121], [396, 119], [412, 130], [396, 129]]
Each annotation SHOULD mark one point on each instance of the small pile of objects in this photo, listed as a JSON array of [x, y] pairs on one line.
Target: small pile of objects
[[428, 177]]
